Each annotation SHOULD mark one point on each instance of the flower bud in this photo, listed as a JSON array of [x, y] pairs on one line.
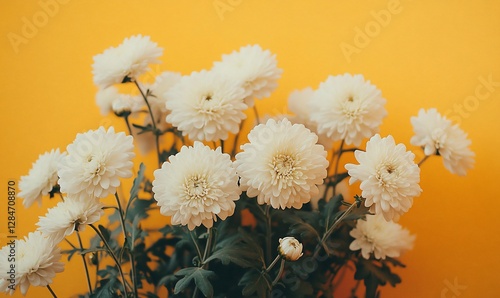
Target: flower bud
[[290, 248]]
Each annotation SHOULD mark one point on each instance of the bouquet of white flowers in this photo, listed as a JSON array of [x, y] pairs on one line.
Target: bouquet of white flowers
[[264, 214]]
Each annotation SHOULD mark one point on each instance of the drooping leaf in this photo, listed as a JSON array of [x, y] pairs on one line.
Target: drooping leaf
[[201, 279], [254, 281]]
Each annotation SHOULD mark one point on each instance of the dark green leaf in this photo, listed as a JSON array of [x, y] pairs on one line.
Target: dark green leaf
[[199, 275], [255, 281], [134, 191]]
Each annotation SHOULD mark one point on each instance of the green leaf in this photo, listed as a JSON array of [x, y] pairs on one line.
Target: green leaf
[[255, 281], [201, 279], [300, 227], [239, 255], [105, 233], [134, 191], [331, 210]]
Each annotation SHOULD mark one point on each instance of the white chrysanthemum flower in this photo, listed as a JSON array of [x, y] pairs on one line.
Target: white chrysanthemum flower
[[95, 163], [282, 165], [206, 106], [163, 83], [41, 179], [380, 237], [253, 68], [125, 62], [104, 99], [299, 104], [196, 186], [389, 176], [347, 107], [37, 262], [127, 104], [437, 135], [68, 216], [290, 248]]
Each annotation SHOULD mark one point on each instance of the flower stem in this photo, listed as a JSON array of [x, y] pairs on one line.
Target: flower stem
[[195, 242], [278, 257], [236, 137], [423, 160], [130, 251], [278, 276], [51, 291], [337, 167], [332, 228], [89, 285], [208, 247], [268, 233], [113, 256], [155, 131], [128, 125], [256, 114]]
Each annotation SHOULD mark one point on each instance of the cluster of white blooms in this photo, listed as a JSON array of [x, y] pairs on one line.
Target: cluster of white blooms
[[381, 237], [283, 164], [37, 262]]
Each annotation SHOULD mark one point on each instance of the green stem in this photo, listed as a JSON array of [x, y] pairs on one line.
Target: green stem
[[208, 246], [278, 257], [236, 137], [51, 291], [195, 242], [152, 121], [130, 251], [89, 285], [336, 169], [113, 256], [278, 276], [268, 233], [128, 125], [332, 228], [423, 160], [256, 114], [69, 242]]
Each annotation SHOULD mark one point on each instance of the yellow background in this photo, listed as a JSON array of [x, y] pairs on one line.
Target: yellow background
[[429, 54]]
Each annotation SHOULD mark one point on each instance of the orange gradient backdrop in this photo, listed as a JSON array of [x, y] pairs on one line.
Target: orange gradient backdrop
[[421, 54]]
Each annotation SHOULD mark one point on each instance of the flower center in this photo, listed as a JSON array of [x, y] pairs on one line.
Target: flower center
[[94, 167], [438, 136], [283, 166], [351, 108], [196, 187], [386, 174], [207, 97]]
